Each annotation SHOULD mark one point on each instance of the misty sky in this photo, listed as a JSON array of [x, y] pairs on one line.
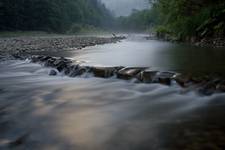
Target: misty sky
[[124, 7]]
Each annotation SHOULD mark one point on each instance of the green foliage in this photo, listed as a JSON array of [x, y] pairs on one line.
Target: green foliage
[[51, 15], [182, 19], [139, 20]]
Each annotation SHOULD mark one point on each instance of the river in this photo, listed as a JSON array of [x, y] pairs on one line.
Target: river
[[38, 111]]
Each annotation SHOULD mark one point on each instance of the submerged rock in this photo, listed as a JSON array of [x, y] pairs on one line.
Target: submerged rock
[[19, 141], [52, 73]]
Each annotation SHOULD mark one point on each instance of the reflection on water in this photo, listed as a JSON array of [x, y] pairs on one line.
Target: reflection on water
[[137, 51], [91, 113]]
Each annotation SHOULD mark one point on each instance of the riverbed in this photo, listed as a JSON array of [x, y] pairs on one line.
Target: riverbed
[[38, 111]]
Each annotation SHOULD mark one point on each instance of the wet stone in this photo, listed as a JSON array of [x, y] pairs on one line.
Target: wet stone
[[78, 70], [182, 80], [17, 56], [44, 58], [128, 73], [208, 89], [70, 69], [52, 73], [147, 76], [163, 78], [34, 59], [103, 72], [50, 62], [61, 65], [197, 79], [221, 86]]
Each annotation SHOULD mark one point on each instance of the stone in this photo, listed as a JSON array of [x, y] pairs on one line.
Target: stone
[[103, 72], [17, 56], [61, 64], [34, 58], [208, 89], [50, 62], [52, 73], [147, 76], [197, 79], [78, 70], [221, 86], [128, 73], [163, 78], [44, 58], [182, 80], [57, 62]]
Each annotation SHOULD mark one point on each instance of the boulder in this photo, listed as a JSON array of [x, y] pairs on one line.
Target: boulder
[[44, 58], [197, 79], [34, 58], [79, 70], [221, 86], [71, 70], [50, 62], [182, 80], [61, 64], [163, 78], [52, 73], [208, 89], [103, 72], [147, 76], [128, 73]]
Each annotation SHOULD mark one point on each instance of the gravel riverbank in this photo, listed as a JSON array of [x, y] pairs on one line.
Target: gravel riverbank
[[51, 43]]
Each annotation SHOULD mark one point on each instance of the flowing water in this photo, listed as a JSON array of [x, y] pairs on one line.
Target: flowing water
[[38, 111]]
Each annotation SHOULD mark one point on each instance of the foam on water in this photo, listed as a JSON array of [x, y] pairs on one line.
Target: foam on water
[[88, 113]]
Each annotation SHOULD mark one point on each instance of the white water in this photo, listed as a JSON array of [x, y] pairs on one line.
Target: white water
[[88, 113]]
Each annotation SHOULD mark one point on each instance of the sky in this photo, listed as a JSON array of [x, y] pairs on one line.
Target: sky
[[124, 7]]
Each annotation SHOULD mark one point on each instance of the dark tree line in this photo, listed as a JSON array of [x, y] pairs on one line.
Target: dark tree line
[[51, 15], [181, 19]]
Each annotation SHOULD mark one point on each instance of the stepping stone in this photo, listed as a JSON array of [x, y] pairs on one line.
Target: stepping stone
[[103, 72], [163, 78], [147, 76], [129, 73], [182, 80]]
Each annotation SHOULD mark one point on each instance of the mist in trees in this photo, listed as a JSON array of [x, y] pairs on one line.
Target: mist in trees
[[181, 19], [178, 18], [125, 7]]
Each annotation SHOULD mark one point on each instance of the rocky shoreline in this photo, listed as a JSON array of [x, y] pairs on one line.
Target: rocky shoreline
[[205, 84], [51, 43]]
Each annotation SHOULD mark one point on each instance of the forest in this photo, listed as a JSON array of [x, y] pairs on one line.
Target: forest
[[52, 15], [179, 19]]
